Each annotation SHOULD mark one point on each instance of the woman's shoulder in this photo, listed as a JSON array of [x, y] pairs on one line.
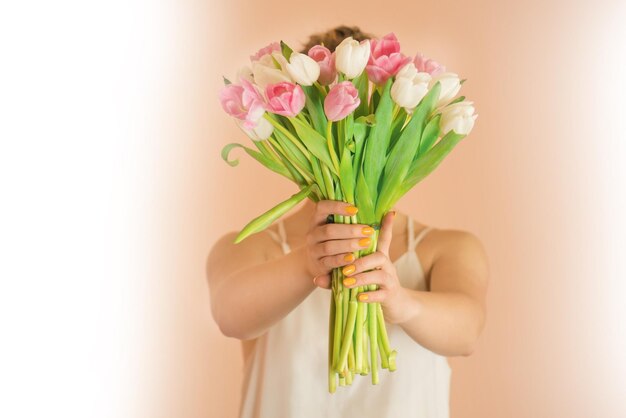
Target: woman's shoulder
[[439, 243]]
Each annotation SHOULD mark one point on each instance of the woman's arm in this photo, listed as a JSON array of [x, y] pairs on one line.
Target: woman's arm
[[450, 317], [249, 294]]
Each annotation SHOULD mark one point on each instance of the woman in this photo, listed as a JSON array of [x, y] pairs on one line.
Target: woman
[[270, 291]]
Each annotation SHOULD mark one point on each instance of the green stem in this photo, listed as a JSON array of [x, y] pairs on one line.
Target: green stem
[[331, 148], [347, 333], [373, 331], [288, 134], [302, 170], [321, 89]]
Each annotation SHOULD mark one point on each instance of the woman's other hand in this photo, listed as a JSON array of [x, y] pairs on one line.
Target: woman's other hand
[[377, 268]]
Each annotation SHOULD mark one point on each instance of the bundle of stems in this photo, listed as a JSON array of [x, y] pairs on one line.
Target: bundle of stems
[[358, 335]]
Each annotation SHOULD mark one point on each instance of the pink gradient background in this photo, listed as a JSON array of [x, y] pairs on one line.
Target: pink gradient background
[[539, 180]]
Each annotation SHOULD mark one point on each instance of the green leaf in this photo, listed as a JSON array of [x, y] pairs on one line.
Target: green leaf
[[314, 105], [396, 127], [267, 162], [360, 132], [458, 99], [314, 142], [226, 81], [261, 222], [362, 83], [426, 163], [346, 174], [377, 142], [430, 135], [404, 151], [293, 152], [363, 199], [286, 51], [369, 120]]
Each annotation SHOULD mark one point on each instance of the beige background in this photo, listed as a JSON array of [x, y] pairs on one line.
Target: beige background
[[539, 180]]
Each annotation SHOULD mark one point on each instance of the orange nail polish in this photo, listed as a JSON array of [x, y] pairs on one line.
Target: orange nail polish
[[349, 282], [368, 230], [347, 270], [365, 242], [349, 258], [363, 297], [352, 210]]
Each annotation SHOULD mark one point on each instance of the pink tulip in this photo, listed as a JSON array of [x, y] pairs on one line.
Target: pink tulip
[[274, 46], [253, 101], [427, 65], [341, 100], [385, 59], [284, 98], [243, 102], [326, 61], [232, 102]]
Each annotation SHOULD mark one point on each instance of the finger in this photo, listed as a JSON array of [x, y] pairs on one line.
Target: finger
[[341, 231], [377, 277], [373, 296], [338, 260], [384, 237], [322, 281], [340, 246], [323, 208], [376, 260]]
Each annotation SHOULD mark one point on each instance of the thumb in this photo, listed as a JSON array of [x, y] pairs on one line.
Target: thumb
[[384, 237]]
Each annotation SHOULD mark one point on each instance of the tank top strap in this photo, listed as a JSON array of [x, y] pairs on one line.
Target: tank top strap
[[414, 240], [280, 237]]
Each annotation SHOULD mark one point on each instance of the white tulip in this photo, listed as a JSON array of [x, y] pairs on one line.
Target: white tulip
[[246, 73], [450, 86], [408, 71], [409, 87], [351, 57], [262, 131], [458, 117], [303, 69], [265, 71]]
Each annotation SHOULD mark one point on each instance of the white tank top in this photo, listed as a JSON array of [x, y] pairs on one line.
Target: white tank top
[[286, 372]]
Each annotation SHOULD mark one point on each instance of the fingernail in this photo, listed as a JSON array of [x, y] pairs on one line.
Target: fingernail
[[349, 258], [314, 279], [363, 297], [352, 210], [365, 242], [368, 230], [347, 270], [349, 282]]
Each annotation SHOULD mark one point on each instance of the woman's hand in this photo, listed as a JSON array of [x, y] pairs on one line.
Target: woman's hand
[[377, 268], [330, 245]]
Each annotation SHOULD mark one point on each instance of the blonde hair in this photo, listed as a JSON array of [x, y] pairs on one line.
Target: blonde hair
[[333, 37]]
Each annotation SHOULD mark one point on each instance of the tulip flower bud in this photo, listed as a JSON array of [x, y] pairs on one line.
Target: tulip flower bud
[[260, 132], [351, 56], [285, 98], [303, 69], [450, 86], [266, 72], [458, 117], [410, 87], [326, 60], [341, 100]]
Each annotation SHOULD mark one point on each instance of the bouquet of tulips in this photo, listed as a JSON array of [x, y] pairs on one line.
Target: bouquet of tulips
[[363, 124]]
